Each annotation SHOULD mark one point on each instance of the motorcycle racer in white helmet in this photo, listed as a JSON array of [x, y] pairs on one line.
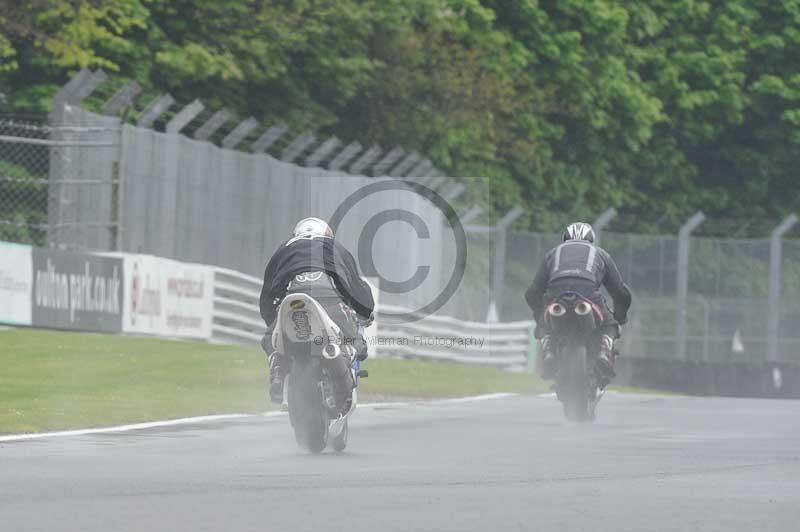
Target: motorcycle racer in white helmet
[[314, 263]]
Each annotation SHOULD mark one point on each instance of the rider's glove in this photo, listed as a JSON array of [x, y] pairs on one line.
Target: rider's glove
[[370, 320]]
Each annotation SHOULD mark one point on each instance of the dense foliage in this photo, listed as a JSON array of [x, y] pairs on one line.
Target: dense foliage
[[656, 107]]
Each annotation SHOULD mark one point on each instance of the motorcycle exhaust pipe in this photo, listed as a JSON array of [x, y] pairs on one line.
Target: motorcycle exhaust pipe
[[583, 308], [331, 351]]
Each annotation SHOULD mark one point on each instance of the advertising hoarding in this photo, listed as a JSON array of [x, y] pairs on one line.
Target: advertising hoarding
[[167, 298], [77, 291], [16, 284]]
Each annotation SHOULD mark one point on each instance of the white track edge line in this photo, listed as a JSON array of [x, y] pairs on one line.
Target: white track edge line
[[127, 428], [456, 400], [227, 417]]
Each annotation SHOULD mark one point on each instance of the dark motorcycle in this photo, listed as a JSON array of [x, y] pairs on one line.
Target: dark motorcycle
[[574, 321]]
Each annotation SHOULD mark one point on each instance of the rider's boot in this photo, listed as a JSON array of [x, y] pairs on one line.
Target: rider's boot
[[278, 369], [605, 358], [361, 348], [547, 366], [341, 375]]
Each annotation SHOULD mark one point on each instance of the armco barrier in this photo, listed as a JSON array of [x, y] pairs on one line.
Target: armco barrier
[[445, 338], [236, 318]]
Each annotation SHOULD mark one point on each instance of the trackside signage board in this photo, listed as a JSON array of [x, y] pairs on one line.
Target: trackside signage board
[[77, 291], [167, 298], [105, 292], [16, 283]]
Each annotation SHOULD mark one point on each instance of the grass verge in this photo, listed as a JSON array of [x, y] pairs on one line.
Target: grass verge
[[58, 380]]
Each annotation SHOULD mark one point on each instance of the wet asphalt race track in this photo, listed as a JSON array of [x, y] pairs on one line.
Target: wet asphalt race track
[[649, 463]]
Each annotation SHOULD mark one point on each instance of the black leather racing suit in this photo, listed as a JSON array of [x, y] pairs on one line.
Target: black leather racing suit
[[325, 270], [581, 267], [302, 255]]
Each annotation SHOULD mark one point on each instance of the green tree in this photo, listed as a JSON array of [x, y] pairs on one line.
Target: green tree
[[655, 107], [44, 40]]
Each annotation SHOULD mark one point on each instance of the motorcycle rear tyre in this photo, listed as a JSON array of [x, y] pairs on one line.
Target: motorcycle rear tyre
[[574, 382], [308, 414], [339, 442]]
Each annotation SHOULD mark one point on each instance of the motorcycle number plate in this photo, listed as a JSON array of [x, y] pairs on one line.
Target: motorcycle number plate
[[302, 327]]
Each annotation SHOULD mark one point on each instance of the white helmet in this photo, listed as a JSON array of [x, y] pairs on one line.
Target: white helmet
[[312, 228]]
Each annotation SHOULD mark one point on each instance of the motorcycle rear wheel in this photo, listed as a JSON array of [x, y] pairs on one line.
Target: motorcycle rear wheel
[[307, 411], [339, 442], [573, 382]]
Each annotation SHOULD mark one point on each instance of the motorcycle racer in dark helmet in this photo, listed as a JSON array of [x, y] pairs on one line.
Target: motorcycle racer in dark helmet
[[578, 265], [312, 262]]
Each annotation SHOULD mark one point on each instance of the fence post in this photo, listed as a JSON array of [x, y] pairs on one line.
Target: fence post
[[366, 159], [239, 133], [454, 191], [471, 215], [121, 186], [122, 98], [56, 196], [211, 125], [154, 109], [85, 89], [499, 262], [774, 300], [268, 138], [405, 165], [601, 222], [344, 156], [297, 146], [322, 151], [706, 329], [683, 281], [388, 160], [184, 116], [421, 169]]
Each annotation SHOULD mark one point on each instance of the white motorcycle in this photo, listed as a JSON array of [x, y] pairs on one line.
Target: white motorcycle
[[322, 360]]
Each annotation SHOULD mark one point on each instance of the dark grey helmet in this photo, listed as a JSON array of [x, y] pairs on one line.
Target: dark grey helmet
[[578, 231]]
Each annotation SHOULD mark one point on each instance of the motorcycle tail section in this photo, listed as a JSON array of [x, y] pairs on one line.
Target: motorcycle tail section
[[302, 320]]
